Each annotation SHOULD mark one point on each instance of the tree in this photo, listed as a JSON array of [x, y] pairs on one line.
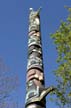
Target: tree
[[8, 83], [62, 40]]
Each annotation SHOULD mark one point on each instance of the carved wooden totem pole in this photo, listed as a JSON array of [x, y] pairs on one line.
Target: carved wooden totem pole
[[35, 86]]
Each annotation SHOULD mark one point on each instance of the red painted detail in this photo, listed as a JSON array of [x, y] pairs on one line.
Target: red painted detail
[[34, 74]]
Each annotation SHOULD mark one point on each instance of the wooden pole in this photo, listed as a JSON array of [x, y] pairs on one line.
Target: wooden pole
[[35, 85]]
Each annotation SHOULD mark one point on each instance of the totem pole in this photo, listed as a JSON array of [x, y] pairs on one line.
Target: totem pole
[[35, 85]]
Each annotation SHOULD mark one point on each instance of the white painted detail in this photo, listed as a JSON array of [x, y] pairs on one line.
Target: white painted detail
[[31, 9], [31, 106], [37, 21]]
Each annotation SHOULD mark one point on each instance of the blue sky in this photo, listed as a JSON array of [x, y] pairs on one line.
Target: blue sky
[[14, 35]]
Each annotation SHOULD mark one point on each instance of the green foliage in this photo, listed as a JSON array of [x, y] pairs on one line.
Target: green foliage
[[62, 40]]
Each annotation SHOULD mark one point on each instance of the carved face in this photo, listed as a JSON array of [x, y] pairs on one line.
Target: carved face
[[33, 18], [34, 74]]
